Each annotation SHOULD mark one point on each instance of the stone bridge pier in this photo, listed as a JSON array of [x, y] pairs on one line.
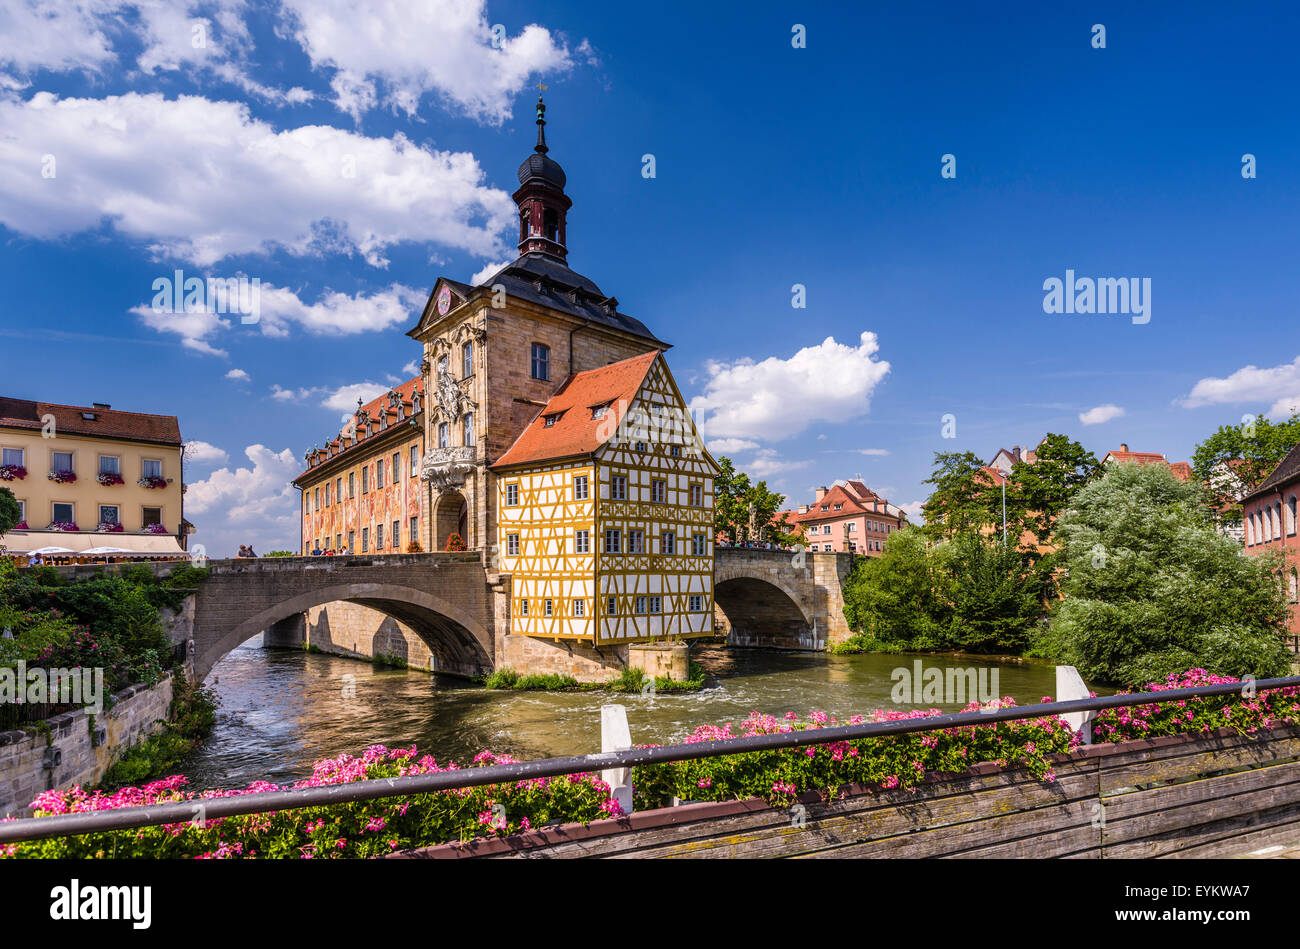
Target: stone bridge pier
[[780, 599]]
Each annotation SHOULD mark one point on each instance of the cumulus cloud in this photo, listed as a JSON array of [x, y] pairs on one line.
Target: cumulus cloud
[[206, 39], [204, 453], [130, 160], [767, 462], [277, 310], [488, 270], [731, 446], [250, 505], [342, 399], [1279, 385], [1101, 413], [238, 375], [405, 49], [913, 511], [777, 398]]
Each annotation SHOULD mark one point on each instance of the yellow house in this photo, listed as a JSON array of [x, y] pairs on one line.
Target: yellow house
[[92, 477], [605, 512]]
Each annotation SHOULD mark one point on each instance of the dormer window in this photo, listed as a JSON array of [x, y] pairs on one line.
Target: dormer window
[[598, 411], [549, 420]]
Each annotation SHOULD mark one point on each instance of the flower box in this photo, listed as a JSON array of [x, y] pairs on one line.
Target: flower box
[[153, 529], [110, 528], [62, 477], [21, 526], [12, 472], [110, 478], [67, 526], [152, 482]]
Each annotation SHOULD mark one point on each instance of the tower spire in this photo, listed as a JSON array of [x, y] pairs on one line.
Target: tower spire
[[541, 148]]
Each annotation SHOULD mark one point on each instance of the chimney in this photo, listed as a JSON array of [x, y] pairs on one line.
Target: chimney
[[821, 493], [101, 405], [1123, 446]]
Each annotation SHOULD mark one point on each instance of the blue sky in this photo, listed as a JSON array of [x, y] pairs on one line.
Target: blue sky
[[775, 166]]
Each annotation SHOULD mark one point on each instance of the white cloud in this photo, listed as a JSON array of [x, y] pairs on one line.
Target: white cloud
[[251, 505], [344, 398], [730, 446], [873, 451], [1279, 385], [204, 452], [334, 314], [130, 160], [767, 462], [913, 511], [238, 375], [411, 368], [776, 398], [1101, 413], [488, 271], [396, 51], [201, 38]]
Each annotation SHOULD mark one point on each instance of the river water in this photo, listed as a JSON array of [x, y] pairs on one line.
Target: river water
[[281, 710]]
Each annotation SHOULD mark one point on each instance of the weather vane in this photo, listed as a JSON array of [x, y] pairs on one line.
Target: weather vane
[[541, 87]]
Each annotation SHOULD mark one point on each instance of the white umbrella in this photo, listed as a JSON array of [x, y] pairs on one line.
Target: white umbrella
[[107, 550], [52, 550]]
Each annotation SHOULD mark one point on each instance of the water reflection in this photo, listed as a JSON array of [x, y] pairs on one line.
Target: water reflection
[[283, 709]]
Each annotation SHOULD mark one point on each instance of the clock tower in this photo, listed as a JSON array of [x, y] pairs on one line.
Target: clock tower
[[541, 198]]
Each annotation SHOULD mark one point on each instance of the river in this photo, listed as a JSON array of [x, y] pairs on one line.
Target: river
[[281, 710]]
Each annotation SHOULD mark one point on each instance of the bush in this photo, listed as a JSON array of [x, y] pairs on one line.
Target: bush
[[1152, 589], [191, 718]]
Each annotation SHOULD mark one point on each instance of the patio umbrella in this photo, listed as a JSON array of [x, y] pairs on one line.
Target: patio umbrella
[[52, 550], [107, 550]]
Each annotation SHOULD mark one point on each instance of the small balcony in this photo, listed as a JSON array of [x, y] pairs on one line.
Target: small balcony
[[447, 467]]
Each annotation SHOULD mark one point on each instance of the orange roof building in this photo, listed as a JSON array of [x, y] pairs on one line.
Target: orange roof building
[[605, 512], [848, 517]]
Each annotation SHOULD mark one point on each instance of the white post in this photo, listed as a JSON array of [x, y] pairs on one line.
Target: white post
[[615, 736], [1070, 686]]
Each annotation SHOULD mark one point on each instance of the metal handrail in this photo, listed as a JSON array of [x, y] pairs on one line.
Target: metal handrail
[[64, 825]]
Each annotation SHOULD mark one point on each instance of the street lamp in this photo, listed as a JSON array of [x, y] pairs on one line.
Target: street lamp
[[1004, 510]]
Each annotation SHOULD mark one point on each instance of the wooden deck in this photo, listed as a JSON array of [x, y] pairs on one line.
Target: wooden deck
[[1216, 795]]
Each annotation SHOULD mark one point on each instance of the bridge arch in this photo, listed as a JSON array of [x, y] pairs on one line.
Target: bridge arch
[[450, 631]]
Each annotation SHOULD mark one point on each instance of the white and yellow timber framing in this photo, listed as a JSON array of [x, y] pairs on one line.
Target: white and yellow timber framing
[[654, 441]]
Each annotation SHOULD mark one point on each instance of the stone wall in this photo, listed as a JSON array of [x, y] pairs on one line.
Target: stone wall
[[358, 632], [27, 763]]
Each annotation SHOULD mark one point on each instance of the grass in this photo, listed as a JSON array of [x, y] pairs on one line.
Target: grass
[[388, 660], [629, 680], [191, 717]]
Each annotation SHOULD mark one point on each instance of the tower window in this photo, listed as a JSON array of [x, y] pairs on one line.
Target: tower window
[[467, 359], [541, 362], [551, 225]]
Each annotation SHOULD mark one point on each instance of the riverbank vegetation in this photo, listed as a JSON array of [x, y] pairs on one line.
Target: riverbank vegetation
[[109, 621], [628, 680], [1119, 572], [373, 828], [191, 718]]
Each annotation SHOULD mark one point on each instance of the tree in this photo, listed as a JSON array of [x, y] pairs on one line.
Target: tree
[[1039, 492], [10, 512], [961, 500], [900, 599], [997, 594], [1152, 588], [743, 510], [1237, 458]]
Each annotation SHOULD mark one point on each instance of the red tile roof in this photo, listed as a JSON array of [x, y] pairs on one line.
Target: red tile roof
[[1182, 470], [1138, 457], [374, 410], [574, 431], [854, 498], [107, 423]]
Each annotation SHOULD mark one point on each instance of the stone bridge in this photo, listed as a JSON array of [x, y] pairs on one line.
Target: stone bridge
[[447, 612], [779, 598]]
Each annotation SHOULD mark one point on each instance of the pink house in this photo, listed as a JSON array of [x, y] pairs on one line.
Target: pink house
[[848, 517], [1269, 514]]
